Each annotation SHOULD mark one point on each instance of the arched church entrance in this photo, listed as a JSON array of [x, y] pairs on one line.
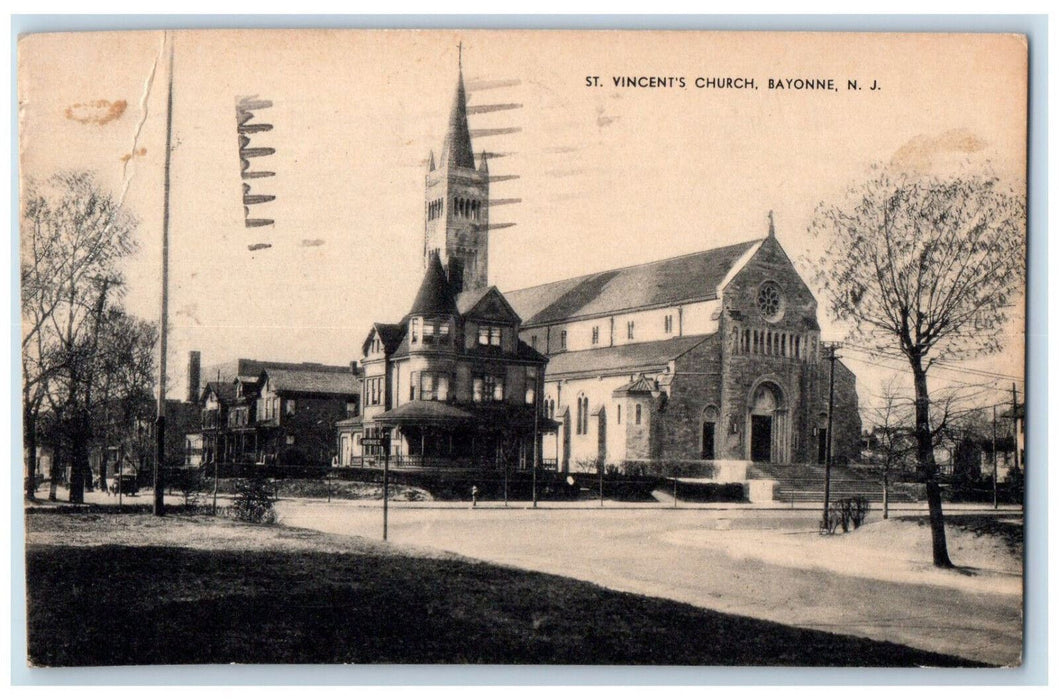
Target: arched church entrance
[[709, 433], [767, 425]]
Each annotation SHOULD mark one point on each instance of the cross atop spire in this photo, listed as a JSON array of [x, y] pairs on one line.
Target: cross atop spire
[[772, 226]]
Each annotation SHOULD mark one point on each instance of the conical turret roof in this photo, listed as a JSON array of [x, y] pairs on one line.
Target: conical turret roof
[[435, 295], [457, 150]]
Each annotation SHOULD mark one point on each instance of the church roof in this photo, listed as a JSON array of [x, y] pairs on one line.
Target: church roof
[[637, 357], [435, 295], [457, 149], [674, 280]]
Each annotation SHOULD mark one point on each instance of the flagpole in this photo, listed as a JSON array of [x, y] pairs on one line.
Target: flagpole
[[159, 465]]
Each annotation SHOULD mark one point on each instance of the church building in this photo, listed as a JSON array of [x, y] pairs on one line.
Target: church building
[[714, 355]]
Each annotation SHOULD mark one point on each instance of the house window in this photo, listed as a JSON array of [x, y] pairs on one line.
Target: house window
[[428, 332], [415, 330], [637, 414], [489, 335], [488, 388], [533, 342], [619, 414], [432, 386], [668, 323], [373, 393], [290, 407], [562, 340], [531, 385], [595, 335], [630, 327]]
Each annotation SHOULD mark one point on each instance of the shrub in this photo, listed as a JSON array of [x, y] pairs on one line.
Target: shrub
[[253, 501], [846, 512], [697, 468]]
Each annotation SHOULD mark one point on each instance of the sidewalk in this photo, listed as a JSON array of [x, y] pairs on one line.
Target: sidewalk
[[146, 498]]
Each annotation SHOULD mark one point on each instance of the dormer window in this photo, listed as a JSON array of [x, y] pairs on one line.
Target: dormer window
[[489, 335]]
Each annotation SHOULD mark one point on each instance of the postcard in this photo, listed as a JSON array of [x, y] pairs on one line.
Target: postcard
[[654, 348]]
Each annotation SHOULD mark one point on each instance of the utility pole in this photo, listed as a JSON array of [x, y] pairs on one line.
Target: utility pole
[[385, 483], [1015, 423], [536, 431], [831, 357], [994, 458], [159, 464]]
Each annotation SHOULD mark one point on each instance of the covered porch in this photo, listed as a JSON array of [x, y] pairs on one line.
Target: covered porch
[[436, 435]]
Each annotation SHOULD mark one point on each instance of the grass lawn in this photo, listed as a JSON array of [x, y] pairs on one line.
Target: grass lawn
[[118, 589]]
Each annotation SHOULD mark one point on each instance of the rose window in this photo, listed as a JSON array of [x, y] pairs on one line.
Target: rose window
[[770, 301]]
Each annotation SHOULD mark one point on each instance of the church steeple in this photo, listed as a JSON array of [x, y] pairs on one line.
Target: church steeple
[[457, 203], [457, 150]]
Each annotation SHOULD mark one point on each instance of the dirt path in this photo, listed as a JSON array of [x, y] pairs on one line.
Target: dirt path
[[760, 564]]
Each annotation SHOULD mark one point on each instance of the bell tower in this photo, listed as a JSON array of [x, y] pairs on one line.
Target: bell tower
[[456, 211]]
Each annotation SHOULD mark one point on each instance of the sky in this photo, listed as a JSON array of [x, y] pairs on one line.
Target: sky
[[588, 177]]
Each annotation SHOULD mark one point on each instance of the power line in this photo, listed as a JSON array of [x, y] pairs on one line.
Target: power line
[[942, 365]]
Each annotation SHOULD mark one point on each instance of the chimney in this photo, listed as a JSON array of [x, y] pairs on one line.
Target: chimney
[[194, 371]]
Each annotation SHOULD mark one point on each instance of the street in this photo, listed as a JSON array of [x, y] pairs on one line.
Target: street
[[768, 564]]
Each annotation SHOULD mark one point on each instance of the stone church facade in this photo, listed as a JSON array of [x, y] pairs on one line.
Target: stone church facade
[[710, 356]]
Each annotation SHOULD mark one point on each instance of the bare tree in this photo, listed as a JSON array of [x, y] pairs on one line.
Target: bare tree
[[123, 380], [892, 424], [74, 234], [927, 267]]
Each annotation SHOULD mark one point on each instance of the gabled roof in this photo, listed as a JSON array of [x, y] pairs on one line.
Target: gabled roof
[[640, 385], [675, 280], [312, 382], [634, 358], [486, 303], [225, 391], [390, 334], [435, 295]]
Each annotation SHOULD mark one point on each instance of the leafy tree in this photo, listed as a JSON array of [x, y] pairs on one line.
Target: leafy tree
[[929, 268]]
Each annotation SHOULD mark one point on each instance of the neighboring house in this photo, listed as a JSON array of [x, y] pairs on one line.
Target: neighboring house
[[275, 412], [217, 398], [714, 355], [298, 410]]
